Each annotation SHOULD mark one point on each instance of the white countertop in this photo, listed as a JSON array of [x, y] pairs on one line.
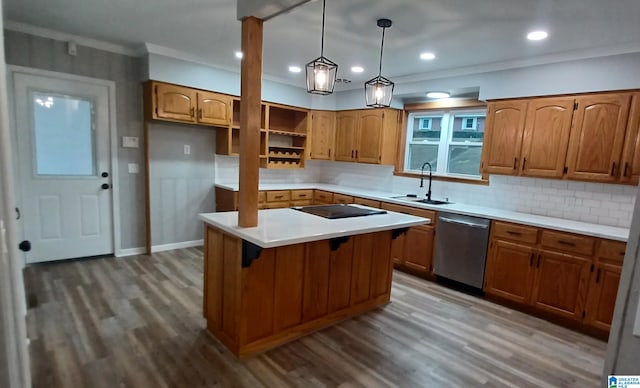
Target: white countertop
[[278, 227], [578, 227]]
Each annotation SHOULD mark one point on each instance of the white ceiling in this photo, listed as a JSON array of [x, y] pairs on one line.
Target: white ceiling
[[462, 33]]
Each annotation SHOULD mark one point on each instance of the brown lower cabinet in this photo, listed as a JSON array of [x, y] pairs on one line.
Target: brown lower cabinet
[[568, 276], [413, 250]]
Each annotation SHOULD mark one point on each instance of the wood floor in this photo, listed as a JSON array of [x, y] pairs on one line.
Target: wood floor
[[136, 322]]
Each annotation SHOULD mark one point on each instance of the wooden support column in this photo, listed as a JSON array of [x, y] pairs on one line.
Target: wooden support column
[[250, 121]]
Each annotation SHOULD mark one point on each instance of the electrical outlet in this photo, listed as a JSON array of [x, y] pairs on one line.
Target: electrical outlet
[[187, 149], [134, 168]]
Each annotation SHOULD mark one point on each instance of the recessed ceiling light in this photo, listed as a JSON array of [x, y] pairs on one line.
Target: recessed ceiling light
[[357, 69], [537, 35], [295, 69], [438, 95], [427, 56], [239, 54]]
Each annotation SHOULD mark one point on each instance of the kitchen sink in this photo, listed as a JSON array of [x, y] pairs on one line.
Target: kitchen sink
[[432, 201]]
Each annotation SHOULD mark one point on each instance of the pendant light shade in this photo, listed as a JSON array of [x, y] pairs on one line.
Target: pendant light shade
[[378, 91], [321, 72]]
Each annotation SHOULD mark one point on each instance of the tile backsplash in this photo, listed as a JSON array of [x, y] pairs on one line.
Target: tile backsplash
[[605, 204]]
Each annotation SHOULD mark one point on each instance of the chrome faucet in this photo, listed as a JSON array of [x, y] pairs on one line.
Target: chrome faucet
[[430, 179]]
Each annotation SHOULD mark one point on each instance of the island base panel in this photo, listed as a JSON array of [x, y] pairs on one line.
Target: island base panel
[[293, 290]]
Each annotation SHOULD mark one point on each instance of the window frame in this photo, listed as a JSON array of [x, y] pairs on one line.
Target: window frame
[[445, 142]]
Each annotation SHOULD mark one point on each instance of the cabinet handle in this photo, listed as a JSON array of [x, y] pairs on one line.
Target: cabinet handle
[[524, 163], [329, 152], [278, 196], [302, 195], [356, 154], [514, 233], [538, 265], [351, 154], [515, 163], [626, 169], [531, 260], [570, 243], [613, 168], [200, 113], [598, 276], [193, 111]]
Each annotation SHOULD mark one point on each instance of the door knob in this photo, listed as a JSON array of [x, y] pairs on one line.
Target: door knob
[[105, 174], [105, 186], [25, 246]]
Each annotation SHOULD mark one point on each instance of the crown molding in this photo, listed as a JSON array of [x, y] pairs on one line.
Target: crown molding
[[66, 37]]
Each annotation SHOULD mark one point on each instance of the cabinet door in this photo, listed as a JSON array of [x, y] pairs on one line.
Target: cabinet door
[[214, 109], [418, 249], [602, 296], [175, 103], [369, 136], [346, 123], [546, 135], [510, 271], [597, 136], [630, 166], [560, 285], [505, 126], [323, 128]]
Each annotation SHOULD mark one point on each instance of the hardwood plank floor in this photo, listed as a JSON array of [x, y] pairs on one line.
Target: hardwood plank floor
[[137, 322]]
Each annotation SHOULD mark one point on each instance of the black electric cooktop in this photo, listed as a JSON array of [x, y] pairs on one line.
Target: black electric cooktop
[[339, 211]]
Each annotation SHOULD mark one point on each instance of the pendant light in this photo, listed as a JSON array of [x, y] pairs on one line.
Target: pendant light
[[379, 90], [321, 72]]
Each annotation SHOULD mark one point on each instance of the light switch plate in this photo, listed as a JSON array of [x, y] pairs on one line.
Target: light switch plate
[[134, 168], [187, 149], [130, 142]]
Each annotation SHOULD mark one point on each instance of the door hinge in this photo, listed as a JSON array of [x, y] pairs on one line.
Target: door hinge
[[565, 170], [575, 106]]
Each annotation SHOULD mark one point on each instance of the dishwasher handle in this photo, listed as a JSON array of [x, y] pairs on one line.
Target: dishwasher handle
[[469, 224]]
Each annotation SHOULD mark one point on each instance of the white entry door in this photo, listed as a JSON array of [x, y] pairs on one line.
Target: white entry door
[[63, 167]]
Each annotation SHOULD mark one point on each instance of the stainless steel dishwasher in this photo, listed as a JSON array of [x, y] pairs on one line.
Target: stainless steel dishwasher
[[461, 248]]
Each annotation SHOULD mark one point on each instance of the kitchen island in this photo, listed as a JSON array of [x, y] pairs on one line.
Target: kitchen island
[[294, 273]]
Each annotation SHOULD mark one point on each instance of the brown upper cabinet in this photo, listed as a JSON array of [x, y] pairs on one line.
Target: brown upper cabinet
[[505, 126], [183, 104], [597, 137], [546, 133], [367, 136], [630, 166], [323, 128], [580, 138]]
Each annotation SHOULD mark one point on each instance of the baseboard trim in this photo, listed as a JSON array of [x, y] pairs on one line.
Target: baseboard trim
[[130, 252], [180, 245]]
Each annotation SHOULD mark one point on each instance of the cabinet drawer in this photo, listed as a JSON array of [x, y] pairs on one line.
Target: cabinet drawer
[[301, 202], [262, 196], [323, 196], [278, 196], [568, 242], [341, 198], [276, 205], [301, 194], [504, 230], [412, 211], [366, 202], [612, 250]]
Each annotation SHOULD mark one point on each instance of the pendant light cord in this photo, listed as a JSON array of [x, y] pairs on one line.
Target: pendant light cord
[[324, 4], [381, 49]]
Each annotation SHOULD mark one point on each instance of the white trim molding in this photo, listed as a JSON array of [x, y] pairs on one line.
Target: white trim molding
[[180, 245], [66, 37], [130, 252]]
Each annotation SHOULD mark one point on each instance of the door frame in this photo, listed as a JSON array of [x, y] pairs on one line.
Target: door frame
[[113, 139]]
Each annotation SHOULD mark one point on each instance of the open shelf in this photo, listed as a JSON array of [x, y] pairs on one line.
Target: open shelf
[[278, 155], [283, 164], [287, 133]]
